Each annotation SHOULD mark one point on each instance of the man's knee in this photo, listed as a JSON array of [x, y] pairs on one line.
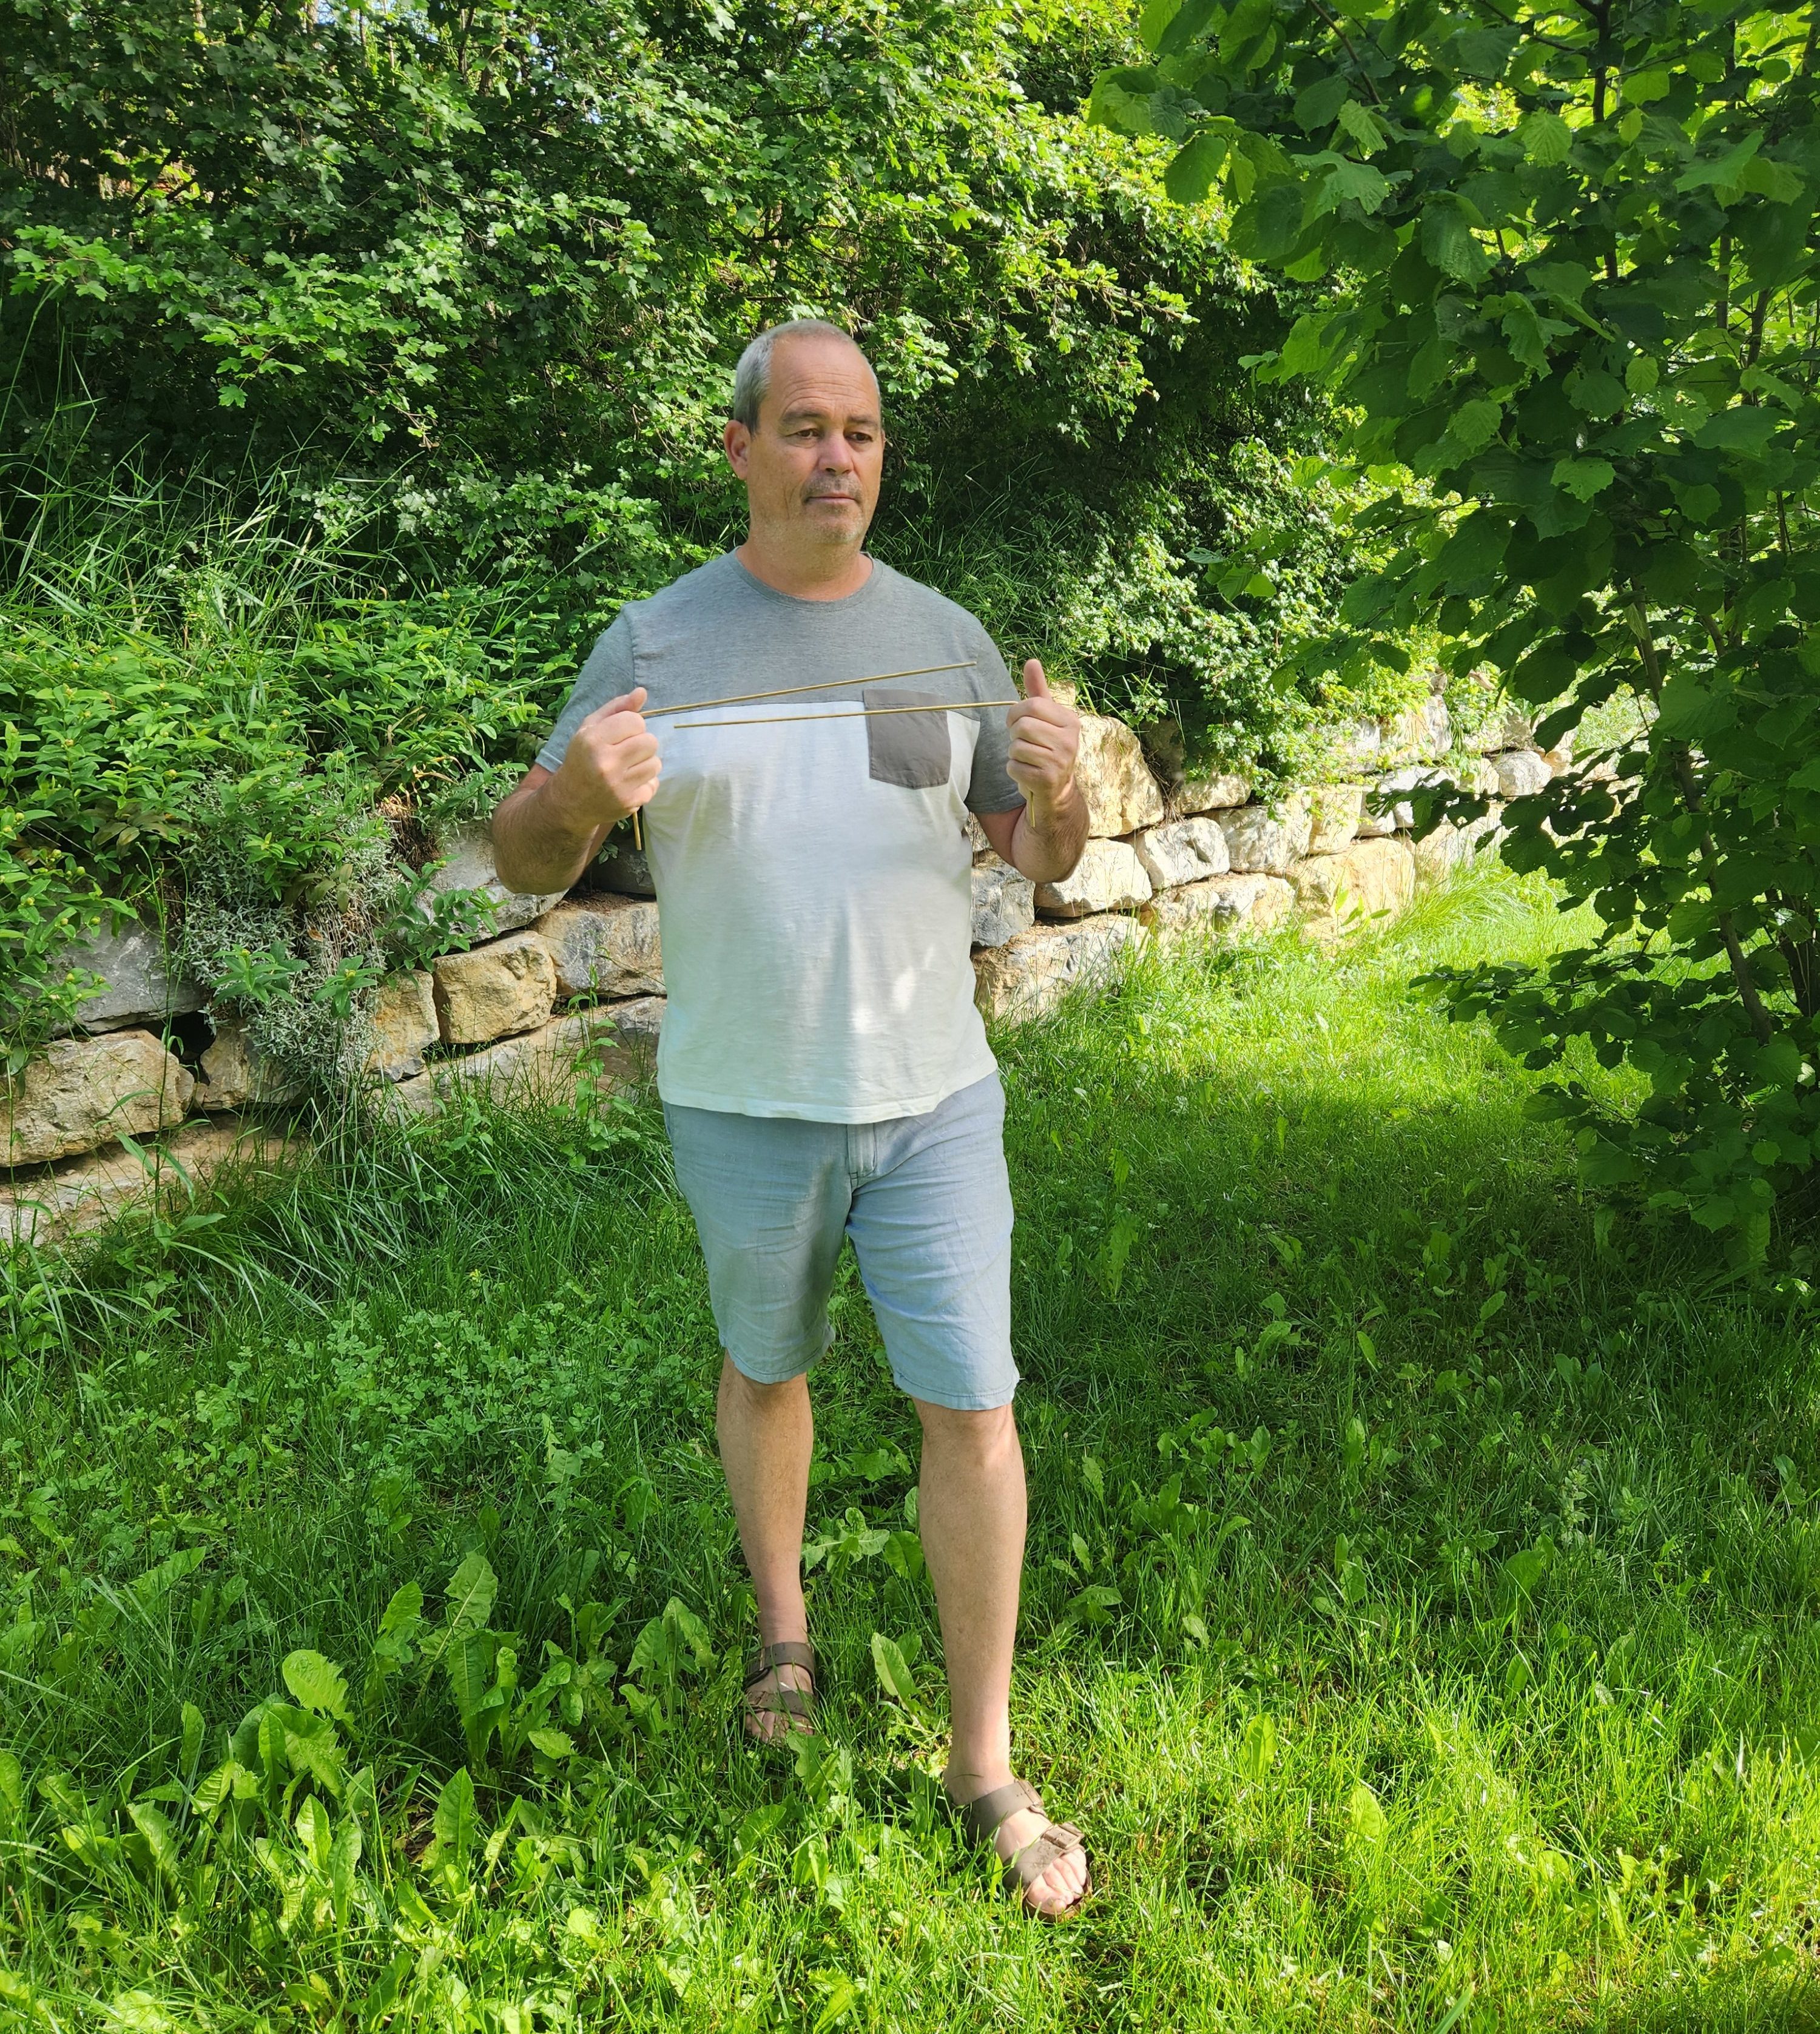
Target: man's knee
[[988, 1437], [749, 1394]]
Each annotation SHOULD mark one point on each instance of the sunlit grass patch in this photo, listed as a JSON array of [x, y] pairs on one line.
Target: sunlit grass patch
[[1419, 1618]]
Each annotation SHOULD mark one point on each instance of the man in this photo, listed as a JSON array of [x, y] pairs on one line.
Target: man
[[823, 1068]]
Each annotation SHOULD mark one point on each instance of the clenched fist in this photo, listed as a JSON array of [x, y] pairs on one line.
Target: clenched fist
[[611, 766], [1045, 739]]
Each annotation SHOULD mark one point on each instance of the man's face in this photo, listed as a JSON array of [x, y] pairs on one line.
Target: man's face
[[812, 466]]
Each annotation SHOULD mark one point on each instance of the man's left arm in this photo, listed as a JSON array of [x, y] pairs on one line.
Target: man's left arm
[[1045, 837]]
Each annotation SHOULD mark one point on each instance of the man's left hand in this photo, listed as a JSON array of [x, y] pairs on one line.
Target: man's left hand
[[1045, 740]]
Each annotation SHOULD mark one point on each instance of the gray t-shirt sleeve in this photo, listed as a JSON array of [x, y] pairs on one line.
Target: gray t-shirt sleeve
[[607, 673], [990, 789]]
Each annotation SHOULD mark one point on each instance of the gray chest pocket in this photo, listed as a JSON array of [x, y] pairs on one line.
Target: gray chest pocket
[[913, 749]]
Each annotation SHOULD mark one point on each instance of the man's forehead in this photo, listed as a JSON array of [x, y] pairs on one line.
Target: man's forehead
[[811, 380]]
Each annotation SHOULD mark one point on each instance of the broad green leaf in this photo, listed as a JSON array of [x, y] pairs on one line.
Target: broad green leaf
[[1476, 423], [1363, 126], [1365, 1817], [404, 1609], [1121, 99], [12, 1783], [1257, 1752], [1742, 429], [1318, 105], [1584, 478], [1195, 167], [1546, 138], [1720, 171], [317, 1683], [1155, 17], [1640, 374], [893, 1671], [343, 1859], [190, 1743], [472, 1591], [455, 1821], [1448, 243], [160, 1838]]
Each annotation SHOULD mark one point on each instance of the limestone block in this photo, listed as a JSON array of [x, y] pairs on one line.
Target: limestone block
[[468, 865], [1263, 840], [80, 1093], [635, 1022], [621, 867], [1208, 794], [1109, 877], [604, 946], [1036, 970], [1520, 772], [1183, 851], [1338, 892], [84, 1193], [1357, 745], [1437, 853], [1510, 727], [1337, 809], [1115, 779], [548, 1064], [1004, 902], [1223, 904], [1394, 811], [975, 834], [404, 1025], [235, 1072], [140, 985], [506, 986], [1424, 729]]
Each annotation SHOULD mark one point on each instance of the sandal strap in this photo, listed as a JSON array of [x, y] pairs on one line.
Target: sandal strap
[[786, 1701], [786, 1653], [1026, 1865], [984, 1812]]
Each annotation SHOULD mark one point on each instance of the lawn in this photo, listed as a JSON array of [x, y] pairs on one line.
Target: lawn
[[1420, 1613]]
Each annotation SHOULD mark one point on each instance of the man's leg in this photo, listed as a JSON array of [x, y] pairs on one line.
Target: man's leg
[[767, 1435], [971, 1509]]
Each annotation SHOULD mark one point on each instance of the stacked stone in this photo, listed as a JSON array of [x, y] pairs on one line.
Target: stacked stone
[[570, 989]]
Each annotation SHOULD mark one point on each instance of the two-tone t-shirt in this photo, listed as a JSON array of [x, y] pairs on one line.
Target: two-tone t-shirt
[[812, 867]]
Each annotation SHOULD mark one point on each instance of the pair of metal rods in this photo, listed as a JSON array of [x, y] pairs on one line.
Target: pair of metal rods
[[840, 713]]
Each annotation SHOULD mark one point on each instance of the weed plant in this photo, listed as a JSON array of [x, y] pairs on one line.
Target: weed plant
[[1419, 1618]]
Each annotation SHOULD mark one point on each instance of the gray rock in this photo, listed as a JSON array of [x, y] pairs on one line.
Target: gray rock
[[1114, 778], [1224, 904], [79, 1094], [505, 986], [1036, 970], [1370, 881], [1520, 772], [1004, 902], [605, 946], [141, 988], [1208, 794], [1183, 851], [550, 1063], [1337, 809], [468, 865], [235, 1073], [1263, 840], [1109, 877], [623, 868], [404, 1025]]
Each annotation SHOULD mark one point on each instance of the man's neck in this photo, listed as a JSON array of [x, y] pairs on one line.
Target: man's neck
[[828, 575]]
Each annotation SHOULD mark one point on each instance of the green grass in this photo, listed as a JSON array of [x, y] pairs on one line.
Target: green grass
[[1421, 1615]]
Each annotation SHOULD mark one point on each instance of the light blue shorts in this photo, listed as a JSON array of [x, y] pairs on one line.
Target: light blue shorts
[[928, 1203]]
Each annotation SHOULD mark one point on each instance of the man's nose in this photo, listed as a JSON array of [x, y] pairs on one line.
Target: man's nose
[[836, 455]]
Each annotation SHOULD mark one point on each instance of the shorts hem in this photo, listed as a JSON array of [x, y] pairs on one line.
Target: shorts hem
[[786, 1370], [973, 1402]]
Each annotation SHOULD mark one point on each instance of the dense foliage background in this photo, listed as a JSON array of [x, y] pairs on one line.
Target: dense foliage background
[[357, 361], [1571, 292]]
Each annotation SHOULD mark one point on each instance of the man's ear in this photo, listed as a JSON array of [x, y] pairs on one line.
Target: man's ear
[[737, 439]]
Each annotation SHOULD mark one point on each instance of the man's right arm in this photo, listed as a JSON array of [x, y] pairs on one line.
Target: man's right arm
[[549, 829]]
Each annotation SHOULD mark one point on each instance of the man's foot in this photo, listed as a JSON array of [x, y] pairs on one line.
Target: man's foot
[[1047, 1861], [780, 1692]]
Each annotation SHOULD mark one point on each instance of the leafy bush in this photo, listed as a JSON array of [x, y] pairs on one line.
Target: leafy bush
[[1569, 286]]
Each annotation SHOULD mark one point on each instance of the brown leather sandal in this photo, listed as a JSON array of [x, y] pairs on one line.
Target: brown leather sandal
[[981, 1817], [796, 1702]]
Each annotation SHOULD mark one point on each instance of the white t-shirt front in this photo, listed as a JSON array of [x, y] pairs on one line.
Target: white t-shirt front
[[813, 878]]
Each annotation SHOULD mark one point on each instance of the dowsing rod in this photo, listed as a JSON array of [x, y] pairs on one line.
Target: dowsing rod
[[820, 686], [853, 713]]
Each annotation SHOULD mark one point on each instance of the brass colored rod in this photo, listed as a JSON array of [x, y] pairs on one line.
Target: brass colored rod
[[855, 713], [820, 686]]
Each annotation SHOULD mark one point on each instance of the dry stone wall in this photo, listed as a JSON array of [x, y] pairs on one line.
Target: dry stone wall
[[569, 990]]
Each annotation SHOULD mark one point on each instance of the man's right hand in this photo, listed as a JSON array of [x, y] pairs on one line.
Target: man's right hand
[[611, 765]]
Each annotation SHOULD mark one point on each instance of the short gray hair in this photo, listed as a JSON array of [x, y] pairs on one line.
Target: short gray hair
[[752, 378]]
